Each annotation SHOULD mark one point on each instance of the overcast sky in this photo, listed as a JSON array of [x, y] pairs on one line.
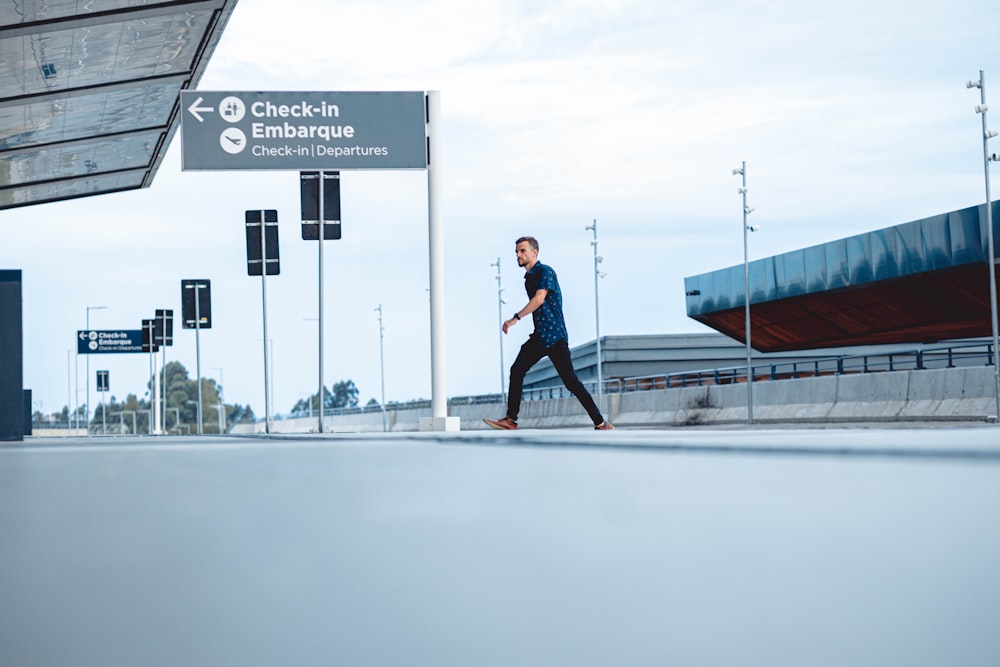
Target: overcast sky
[[851, 116]]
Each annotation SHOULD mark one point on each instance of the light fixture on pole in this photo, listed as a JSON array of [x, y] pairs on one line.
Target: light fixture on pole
[[747, 210], [597, 312], [381, 363], [86, 420], [988, 134], [500, 303]]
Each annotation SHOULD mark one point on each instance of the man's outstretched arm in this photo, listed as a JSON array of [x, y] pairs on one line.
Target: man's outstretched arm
[[533, 305]]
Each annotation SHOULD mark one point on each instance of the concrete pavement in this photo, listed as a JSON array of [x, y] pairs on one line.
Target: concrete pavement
[[863, 546]]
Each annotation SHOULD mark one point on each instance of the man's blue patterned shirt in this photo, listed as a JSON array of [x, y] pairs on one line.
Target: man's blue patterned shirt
[[549, 323]]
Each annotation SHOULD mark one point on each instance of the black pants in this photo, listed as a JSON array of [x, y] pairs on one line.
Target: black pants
[[530, 354]]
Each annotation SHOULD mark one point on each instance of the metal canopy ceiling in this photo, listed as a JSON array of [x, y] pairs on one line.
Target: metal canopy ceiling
[[89, 91], [923, 281]]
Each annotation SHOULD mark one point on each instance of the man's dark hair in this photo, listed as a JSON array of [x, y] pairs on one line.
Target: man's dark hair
[[531, 240]]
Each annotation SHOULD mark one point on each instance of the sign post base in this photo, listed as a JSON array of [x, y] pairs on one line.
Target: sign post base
[[440, 424]]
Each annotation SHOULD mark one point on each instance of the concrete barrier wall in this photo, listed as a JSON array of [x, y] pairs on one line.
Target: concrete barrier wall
[[941, 394]]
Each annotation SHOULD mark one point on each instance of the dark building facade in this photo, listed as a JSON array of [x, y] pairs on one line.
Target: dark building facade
[[12, 397]]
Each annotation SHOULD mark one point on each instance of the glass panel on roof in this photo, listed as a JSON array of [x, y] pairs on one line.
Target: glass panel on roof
[[31, 194], [14, 12], [968, 243], [790, 269], [883, 257], [757, 272], [81, 159], [859, 258], [838, 270], [101, 54], [74, 117]]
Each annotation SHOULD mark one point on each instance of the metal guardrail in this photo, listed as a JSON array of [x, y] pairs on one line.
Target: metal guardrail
[[950, 356]]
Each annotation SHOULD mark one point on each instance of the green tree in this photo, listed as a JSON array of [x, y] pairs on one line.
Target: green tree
[[343, 394], [241, 414], [133, 412], [181, 392]]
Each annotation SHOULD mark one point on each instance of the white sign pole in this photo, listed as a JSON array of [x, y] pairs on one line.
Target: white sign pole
[[157, 430], [439, 421], [322, 229], [263, 298], [163, 386], [197, 346]]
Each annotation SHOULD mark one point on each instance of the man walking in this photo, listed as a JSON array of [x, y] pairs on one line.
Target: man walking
[[549, 338]]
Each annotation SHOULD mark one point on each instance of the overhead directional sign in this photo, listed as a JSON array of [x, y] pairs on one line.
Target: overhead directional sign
[[304, 130], [107, 342]]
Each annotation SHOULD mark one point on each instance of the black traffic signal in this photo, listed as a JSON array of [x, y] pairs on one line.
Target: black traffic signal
[[309, 196], [196, 304], [103, 380], [149, 336], [163, 327], [256, 243]]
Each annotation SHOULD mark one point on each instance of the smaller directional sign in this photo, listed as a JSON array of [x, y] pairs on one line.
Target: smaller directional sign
[[109, 342], [103, 380]]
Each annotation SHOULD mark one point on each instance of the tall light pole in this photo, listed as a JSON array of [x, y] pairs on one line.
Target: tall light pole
[[86, 421], [597, 312], [381, 362], [747, 210], [988, 134], [500, 302], [69, 387]]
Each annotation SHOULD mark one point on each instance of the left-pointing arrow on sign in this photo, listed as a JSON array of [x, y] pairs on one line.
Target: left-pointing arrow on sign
[[195, 109]]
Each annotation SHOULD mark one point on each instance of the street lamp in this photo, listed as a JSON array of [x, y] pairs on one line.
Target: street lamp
[[988, 134], [86, 421], [597, 311], [381, 362], [500, 302], [747, 210]]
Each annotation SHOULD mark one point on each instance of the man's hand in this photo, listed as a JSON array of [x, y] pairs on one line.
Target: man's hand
[[509, 323]]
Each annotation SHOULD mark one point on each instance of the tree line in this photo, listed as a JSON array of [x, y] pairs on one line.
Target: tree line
[[132, 414]]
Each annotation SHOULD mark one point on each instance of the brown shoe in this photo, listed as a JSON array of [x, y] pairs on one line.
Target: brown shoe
[[505, 424], [605, 426]]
